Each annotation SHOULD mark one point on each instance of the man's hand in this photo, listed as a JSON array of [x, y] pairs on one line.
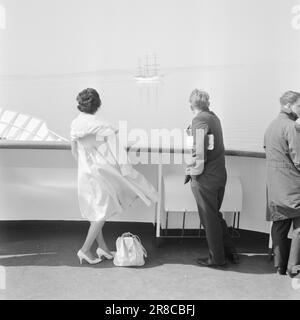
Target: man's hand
[[196, 169], [188, 171], [191, 161]]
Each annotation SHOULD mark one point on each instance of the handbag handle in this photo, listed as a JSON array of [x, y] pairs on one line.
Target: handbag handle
[[129, 234]]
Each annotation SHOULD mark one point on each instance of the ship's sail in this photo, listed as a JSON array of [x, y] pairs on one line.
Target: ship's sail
[[22, 127], [148, 70]]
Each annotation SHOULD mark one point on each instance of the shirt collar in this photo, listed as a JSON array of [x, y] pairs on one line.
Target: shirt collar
[[289, 113]]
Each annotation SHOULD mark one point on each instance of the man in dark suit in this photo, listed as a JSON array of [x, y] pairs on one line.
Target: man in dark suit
[[208, 179]]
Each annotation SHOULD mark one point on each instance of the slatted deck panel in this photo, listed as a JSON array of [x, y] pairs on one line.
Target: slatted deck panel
[[21, 127]]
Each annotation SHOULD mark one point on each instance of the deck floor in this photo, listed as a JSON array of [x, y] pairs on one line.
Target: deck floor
[[39, 261]]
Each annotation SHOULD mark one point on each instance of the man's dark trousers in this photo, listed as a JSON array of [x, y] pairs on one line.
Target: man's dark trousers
[[209, 199], [286, 254]]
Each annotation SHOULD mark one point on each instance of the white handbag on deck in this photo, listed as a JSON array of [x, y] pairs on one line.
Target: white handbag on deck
[[130, 251]]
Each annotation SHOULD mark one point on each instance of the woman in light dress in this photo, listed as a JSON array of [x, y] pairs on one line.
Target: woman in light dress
[[106, 183]]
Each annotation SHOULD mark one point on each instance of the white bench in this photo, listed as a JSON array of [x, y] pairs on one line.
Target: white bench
[[179, 198]]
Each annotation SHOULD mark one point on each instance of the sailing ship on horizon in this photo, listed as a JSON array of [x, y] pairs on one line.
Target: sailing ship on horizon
[[148, 69]]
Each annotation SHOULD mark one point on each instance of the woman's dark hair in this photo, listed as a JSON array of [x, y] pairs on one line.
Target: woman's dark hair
[[88, 101]]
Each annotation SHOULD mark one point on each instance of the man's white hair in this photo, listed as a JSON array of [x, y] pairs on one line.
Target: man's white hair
[[199, 99]]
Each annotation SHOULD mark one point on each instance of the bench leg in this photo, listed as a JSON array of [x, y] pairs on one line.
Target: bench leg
[[236, 221], [167, 222], [183, 225]]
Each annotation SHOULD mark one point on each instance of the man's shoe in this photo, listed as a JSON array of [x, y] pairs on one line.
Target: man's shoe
[[291, 274], [295, 271], [281, 271], [233, 258], [208, 263]]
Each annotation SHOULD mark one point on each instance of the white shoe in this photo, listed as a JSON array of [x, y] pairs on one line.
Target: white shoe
[[100, 252], [83, 257]]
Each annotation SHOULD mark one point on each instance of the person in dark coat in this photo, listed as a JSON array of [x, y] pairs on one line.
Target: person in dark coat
[[208, 179], [282, 146]]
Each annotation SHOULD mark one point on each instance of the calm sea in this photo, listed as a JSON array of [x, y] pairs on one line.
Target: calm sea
[[245, 97]]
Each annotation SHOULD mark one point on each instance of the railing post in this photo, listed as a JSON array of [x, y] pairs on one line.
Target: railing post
[[159, 188]]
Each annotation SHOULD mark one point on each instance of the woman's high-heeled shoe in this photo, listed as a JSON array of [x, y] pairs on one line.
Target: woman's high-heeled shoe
[[83, 257], [100, 252]]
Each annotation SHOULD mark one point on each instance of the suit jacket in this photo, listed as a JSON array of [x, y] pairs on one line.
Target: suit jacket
[[208, 163]]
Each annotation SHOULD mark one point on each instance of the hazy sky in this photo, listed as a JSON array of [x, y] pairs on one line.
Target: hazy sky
[[65, 36]]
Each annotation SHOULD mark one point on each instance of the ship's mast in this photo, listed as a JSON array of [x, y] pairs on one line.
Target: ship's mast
[[148, 67], [155, 65], [140, 68], [147, 73], [151, 66]]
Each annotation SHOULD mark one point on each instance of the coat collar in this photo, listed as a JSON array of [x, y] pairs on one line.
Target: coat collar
[[290, 114]]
